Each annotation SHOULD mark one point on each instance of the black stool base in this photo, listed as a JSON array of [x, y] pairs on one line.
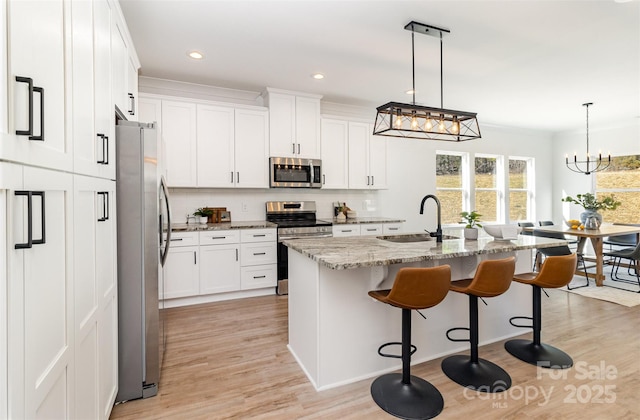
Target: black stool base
[[542, 355], [418, 400], [483, 376]]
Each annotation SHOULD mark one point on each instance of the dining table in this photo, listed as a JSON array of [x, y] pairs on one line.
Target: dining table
[[597, 238]]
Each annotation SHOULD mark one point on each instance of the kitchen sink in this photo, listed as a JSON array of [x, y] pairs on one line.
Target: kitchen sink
[[412, 237]]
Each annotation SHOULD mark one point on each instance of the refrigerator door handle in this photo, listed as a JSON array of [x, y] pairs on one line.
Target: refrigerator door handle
[[165, 192]]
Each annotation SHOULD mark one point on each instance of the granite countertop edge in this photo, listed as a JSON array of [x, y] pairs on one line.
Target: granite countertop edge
[[259, 224], [365, 219]]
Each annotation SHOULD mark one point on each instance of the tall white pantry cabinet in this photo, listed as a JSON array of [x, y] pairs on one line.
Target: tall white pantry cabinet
[[58, 285]]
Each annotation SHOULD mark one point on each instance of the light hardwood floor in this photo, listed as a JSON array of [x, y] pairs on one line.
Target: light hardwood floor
[[229, 360]]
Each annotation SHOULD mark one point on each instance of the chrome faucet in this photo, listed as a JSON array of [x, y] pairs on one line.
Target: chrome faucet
[[438, 232]]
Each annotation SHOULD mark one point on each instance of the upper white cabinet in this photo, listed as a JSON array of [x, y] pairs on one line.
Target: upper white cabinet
[[36, 60], [179, 133], [92, 109], [294, 124], [367, 158], [124, 69], [213, 146], [335, 154]]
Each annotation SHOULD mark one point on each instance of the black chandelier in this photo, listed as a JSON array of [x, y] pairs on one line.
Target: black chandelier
[[396, 119], [591, 164]]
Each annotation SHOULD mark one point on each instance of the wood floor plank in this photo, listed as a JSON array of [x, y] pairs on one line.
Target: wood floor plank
[[229, 360]]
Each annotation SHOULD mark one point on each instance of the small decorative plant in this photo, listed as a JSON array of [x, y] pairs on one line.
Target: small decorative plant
[[471, 219], [589, 202], [203, 212]]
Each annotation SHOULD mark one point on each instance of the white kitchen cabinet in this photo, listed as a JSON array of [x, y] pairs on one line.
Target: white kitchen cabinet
[[39, 286], [259, 257], [340, 231], [92, 109], [215, 145], [219, 268], [294, 124], [36, 58], [392, 228], [181, 273], [335, 153], [259, 276], [367, 158], [119, 70], [95, 293], [251, 148], [370, 229], [179, 134]]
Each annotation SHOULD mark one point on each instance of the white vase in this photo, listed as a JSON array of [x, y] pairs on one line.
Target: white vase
[[203, 220], [471, 233]]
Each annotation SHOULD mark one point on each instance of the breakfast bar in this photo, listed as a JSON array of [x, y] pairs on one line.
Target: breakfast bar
[[335, 327]]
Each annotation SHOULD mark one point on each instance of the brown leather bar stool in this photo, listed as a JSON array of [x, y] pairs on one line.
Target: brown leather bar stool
[[555, 272], [404, 395], [492, 278]]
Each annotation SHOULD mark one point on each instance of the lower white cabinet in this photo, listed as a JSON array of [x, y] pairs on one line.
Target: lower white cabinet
[[219, 268], [371, 229], [392, 228], [346, 230], [367, 229], [219, 261]]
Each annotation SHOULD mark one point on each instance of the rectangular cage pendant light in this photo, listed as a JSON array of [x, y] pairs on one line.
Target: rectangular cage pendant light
[[397, 119]]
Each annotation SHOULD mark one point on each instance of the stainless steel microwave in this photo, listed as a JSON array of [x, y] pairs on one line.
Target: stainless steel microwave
[[295, 172]]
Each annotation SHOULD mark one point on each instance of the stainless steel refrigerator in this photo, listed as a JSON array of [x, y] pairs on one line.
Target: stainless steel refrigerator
[[144, 217]]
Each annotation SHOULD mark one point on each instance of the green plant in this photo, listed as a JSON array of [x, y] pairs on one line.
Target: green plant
[[203, 212], [471, 219], [589, 202]]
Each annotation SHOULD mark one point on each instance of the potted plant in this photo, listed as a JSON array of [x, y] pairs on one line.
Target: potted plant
[[471, 220], [204, 214], [591, 205]]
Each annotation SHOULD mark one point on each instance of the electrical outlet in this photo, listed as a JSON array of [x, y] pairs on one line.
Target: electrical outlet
[[244, 208]]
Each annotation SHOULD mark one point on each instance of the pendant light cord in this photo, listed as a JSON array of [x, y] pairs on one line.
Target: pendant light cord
[[587, 105], [441, 88], [413, 67]]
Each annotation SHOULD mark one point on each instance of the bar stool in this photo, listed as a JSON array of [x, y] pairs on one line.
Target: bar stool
[[404, 395], [555, 272], [492, 278]]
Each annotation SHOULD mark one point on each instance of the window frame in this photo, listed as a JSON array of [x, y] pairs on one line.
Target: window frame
[[465, 181], [499, 187], [530, 190]]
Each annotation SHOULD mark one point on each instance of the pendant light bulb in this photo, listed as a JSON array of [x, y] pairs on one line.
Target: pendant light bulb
[[441, 124], [455, 126], [399, 120], [428, 126], [414, 121]]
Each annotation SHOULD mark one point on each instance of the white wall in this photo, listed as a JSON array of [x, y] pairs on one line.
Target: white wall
[[412, 170], [620, 139]]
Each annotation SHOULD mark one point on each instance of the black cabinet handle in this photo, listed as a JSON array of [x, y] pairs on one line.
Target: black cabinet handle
[[259, 277], [324, 179], [293, 148], [42, 214], [298, 148], [259, 236], [29, 82], [105, 206], [237, 177], [236, 254], [373, 180], [195, 261], [132, 111], [175, 239], [30, 240], [41, 136], [105, 149], [259, 253]]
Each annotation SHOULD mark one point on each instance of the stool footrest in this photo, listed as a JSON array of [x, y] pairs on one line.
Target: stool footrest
[[395, 356], [517, 318], [457, 329]]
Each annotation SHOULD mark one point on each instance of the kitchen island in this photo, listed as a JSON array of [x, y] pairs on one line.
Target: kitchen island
[[335, 328]]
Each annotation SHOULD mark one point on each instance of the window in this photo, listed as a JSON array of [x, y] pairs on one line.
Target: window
[[622, 180], [452, 185], [488, 187], [521, 190]]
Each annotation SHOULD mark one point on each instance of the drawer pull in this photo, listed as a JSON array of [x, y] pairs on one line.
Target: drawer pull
[[371, 230], [259, 277], [218, 237], [259, 236], [348, 230], [175, 239], [393, 228], [259, 253]]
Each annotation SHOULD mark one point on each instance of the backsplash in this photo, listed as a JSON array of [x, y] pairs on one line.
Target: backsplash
[[249, 204]]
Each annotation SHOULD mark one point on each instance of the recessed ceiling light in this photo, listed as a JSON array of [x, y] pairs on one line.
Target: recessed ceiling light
[[196, 55], [622, 1], [318, 76]]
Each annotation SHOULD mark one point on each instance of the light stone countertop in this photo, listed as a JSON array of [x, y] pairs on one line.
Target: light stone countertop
[[361, 220], [195, 227], [353, 252]]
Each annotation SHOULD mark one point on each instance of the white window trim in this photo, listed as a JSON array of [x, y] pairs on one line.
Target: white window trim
[[466, 182], [499, 187], [530, 190]]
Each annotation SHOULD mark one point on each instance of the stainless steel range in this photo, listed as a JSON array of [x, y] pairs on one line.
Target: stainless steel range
[[295, 220]]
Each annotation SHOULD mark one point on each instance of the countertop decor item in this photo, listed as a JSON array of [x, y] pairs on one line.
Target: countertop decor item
[[471, 220], [591, 164], [503, 232], [397, 119], [203, 213]]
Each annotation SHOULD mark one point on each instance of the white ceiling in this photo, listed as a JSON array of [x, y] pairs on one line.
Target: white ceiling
[[525, 64]]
